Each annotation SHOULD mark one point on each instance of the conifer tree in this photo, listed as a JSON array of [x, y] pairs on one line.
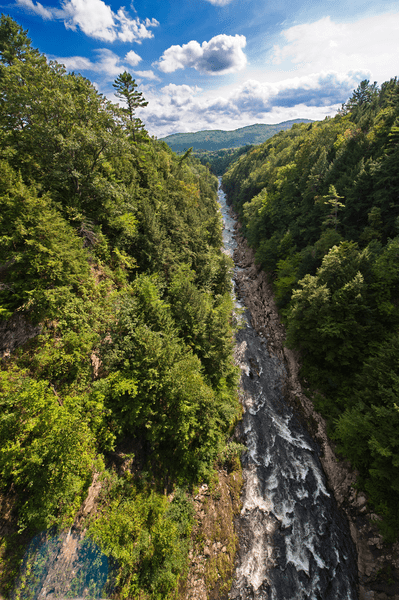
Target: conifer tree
[[126, 90]]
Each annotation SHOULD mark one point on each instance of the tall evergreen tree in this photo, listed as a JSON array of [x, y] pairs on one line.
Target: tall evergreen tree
[[126, 90]]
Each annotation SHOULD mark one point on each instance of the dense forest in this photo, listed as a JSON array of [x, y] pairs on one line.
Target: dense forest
[[320, 205], [110, 249], [218, 161]]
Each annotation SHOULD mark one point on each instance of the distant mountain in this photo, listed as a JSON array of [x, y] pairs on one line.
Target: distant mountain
[[218, 139]]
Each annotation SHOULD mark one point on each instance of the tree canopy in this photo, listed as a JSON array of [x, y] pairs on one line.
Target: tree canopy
[[110, 245]]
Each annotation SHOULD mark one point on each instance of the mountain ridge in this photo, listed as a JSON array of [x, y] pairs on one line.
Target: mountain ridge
[[218, 139]]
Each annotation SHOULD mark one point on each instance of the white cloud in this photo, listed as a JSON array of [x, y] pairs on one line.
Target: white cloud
[[93, 17], [182, 90], [314, 90], [107, 64], [132, 30], [147, 75], [222, 54], [219, 2], [132, 58], [96, 19], [179, 95], [37, 8], [370, 44]]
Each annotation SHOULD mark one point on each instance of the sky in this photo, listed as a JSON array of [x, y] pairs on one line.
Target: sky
[[220, 64]]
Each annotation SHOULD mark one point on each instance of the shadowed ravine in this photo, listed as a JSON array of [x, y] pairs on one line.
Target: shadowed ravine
[[294, 542]]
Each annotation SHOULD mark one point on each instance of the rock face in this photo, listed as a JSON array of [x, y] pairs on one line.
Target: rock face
[[214, 538], [67, 564], [15, 332], [378, 565]]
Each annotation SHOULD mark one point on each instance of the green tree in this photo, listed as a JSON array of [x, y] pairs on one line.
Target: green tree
[[126, 90], [14, 43], [368, 430], [116, 247], [47, 450], [332, 199], [40, 249], [330, 316], [363, 95]]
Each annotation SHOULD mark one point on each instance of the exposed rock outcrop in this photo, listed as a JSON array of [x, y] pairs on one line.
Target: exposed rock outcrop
[[215, 540], [65, 564], [15, 332]]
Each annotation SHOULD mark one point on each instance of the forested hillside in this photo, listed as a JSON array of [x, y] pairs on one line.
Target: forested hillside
[[320, 204], [217, 139], [218, 161], [110, 247]]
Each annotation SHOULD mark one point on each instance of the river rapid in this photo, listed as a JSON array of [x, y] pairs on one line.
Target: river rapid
[[294, 542]]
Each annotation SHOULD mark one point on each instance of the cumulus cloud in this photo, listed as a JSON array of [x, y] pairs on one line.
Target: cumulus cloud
[[315, 90], [132, 58], [180, 90], [93, 17], [179, 95], [222, 54], [183, 108], [368, 44], [133, 30], [96, 19], [108, 64]]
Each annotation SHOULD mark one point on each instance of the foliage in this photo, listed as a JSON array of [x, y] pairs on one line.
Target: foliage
[[126, 90], [40, 249], [319, 205], [218, 161], [111, 244], [368, 430], [46, 448], [149, 537]]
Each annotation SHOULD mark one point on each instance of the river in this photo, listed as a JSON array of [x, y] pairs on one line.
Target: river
[[294, 542]]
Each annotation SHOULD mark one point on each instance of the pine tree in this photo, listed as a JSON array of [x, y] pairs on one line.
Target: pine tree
[[126, 90]]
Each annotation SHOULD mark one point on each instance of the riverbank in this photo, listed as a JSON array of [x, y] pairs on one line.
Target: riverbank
[[378, 564]]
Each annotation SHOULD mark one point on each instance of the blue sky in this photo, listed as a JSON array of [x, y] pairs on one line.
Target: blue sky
[[221, 64]]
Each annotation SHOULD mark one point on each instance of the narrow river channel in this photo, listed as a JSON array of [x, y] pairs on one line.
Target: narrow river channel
[[294, 542]]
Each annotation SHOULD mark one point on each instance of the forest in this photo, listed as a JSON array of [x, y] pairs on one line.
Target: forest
[[110, 248], [218, 161], [320, 205], [218, 139]]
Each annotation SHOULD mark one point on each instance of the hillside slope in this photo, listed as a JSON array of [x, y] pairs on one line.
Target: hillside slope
[[218, 139]]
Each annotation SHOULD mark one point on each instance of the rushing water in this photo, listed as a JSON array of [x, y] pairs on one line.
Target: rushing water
[[294, 542]]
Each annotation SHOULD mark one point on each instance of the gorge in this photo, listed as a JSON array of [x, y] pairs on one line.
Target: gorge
[[120, 412], [294, 543]]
